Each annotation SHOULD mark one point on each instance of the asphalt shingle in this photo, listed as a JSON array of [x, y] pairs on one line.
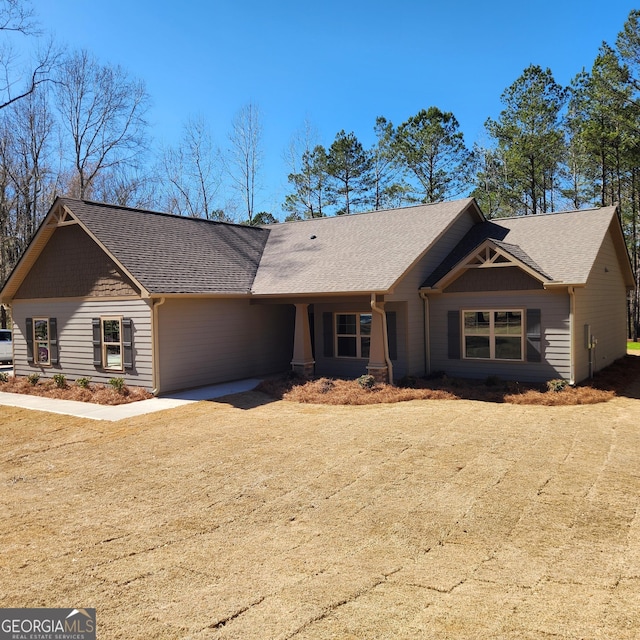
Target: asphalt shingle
[[562, 247], [173, 254]]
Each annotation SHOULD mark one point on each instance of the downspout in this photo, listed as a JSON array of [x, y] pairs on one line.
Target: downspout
[[385, 336], [156, 346], [572, 340], [427, 330]]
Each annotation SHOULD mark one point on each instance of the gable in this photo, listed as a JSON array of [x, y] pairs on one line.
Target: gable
[[508, 278], [73, 265]]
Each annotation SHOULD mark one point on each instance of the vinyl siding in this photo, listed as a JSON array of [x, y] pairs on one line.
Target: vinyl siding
[[602, 304], [408, 290], [75, 338], [555, 342], [215, 340]]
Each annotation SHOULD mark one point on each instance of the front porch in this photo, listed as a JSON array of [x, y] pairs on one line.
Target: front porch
[[354, 337]]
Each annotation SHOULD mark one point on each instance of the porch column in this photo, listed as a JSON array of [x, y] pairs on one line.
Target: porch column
[[303, 361], [377, 366]]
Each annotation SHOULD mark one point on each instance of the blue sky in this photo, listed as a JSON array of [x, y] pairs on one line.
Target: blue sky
[[337, 64]]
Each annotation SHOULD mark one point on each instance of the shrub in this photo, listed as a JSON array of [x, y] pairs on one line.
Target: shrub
[[4, 376], [33, 378], [60, 380], [324, 385], [366, 381], [83, 383], [117, 384], [556, 385], [492, 381]]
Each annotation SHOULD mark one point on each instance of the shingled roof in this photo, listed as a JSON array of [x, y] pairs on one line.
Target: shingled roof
[[366, 252], [172, 254], [560, 247], [359, 253]]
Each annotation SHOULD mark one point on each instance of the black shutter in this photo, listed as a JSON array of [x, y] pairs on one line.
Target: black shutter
[[29, 339], [453, 333], [97, 340], [127, 343], [327, 334], [392, 336], [53, 340], [534, 336]]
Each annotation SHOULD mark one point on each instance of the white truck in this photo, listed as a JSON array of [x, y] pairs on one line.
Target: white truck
[[6, 346]]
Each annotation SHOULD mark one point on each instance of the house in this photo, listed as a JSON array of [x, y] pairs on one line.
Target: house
[[169, 303]]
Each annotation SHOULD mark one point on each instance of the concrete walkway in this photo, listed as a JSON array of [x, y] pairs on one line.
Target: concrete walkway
[[122, 411]]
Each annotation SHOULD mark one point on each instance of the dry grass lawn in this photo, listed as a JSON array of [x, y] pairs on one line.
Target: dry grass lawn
[[249, 518]]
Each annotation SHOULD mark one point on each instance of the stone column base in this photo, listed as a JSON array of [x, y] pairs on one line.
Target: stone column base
[[380, 374], [306, 369]]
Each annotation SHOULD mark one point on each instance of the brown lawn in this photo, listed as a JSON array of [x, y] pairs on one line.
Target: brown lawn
[[251, 518]]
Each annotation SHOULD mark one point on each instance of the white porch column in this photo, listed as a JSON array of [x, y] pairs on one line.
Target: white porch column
[[303, 361], [377, 366]]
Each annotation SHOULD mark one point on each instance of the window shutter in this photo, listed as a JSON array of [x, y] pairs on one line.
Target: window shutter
[[534, 336], [327, 334], [127, 343], [29, 339], [453, 333], [97, 339], [53, 340], [392, 336]]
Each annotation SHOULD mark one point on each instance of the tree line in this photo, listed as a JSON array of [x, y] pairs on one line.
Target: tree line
[[71, 125]]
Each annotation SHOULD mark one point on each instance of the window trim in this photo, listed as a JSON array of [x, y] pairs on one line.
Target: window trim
[[36, 342], [104, 344], [358, 335], [492, 335]]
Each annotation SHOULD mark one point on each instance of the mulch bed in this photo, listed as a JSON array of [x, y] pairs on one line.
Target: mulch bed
[[97, 393], [605, 385]]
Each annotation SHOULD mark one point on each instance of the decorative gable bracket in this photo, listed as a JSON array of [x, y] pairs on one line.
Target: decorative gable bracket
[[489, 255], [61, 217]]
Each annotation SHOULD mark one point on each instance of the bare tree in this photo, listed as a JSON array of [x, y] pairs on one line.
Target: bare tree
[[103, 111], [33, 126], [245, 155], [193, 173], [17, 21]]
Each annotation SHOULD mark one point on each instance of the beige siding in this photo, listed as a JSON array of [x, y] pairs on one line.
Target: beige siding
[[554, 308], [409, 287], [602, 305], [75, 338], [213, 340]]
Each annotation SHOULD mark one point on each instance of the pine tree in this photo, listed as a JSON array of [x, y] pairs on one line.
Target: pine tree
[[431, 149], [349, 171], [530, 139]]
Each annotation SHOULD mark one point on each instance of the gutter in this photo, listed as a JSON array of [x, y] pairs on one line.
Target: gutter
[[156, 302], [572, 346], [385, 335], [427, 330]]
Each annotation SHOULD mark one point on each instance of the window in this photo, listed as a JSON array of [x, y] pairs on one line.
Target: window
[[353, 335], [112, 343], [42, 351], [494, 335], [41, 335]]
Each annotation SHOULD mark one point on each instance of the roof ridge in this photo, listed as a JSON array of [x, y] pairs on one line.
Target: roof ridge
[[165, 214], [551, 213], [363, 213]]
